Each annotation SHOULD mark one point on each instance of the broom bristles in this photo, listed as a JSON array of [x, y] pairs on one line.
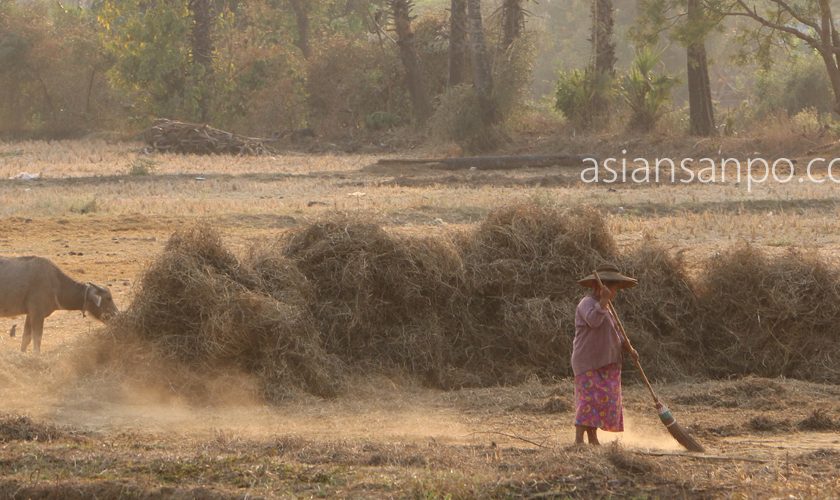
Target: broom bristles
[[684, 438], [677, 432]]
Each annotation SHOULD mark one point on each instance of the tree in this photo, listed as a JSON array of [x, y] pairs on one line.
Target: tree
[[401, 10], [482, 73], [457, 42], [513, 21], [688, 22], [201, 52], [646, 93], [603, 47], [700, 108], [602, 36], [811, 22], [148, 41], [50, 69], [301, 10]]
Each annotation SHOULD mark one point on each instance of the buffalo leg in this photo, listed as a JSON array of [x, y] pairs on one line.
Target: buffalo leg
[[37, 331], [27, 334]]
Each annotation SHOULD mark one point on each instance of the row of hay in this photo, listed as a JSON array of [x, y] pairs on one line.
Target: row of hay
[[490, 306]]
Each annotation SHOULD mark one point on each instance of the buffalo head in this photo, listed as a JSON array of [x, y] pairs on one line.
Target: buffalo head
[[99, 303]]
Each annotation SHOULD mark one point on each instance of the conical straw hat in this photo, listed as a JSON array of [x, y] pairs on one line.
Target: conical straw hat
[[609, 274]]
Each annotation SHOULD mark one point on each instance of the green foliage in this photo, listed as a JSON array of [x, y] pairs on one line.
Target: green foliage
[[259, 74], [807, 122], [382, 120], [651, 21], [431, 38], [645, 92], [576, 93], [512, 70], [148, 41], [457, 117], [256, 84], [350, 79], [50, 70], [458, 114], [793, 86]]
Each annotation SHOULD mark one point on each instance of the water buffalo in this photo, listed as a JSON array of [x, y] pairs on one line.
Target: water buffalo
[[36, 287]]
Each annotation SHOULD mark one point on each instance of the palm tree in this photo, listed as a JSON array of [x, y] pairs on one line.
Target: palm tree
[[482, 74], [457, 42]]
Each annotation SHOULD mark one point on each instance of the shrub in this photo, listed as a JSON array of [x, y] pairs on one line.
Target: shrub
[[351, 79], [578, 91], [800, 84], [645, 92]]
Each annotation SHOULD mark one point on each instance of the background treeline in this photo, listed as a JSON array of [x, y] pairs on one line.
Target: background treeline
[[447, 69]]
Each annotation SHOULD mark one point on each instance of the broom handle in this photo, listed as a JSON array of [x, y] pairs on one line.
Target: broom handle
[[614, 315]]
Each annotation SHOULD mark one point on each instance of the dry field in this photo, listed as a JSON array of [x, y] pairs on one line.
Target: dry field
[[103, 212]]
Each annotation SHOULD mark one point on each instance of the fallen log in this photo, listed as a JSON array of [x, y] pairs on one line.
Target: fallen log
[[492, 162], [195, 138]]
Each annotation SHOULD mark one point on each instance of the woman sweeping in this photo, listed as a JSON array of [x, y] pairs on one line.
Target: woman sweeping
[[597, 355]]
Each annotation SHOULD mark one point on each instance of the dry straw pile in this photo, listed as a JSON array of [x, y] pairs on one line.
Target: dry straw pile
[[380, 301], [771, 316], [201, 307], [490, 306], [522, 266]]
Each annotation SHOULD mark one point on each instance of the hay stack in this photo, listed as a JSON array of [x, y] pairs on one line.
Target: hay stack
[[661, 313], [381, 301], [491, 306], [522, 264], [771, 316], [203, 308]]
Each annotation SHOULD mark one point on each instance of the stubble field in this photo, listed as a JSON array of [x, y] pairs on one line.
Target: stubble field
[[103, 212]]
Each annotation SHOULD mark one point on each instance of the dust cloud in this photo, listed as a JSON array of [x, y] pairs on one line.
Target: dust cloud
[[53, 387]]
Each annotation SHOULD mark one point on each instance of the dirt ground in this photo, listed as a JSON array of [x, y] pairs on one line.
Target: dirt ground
[[101, 218]]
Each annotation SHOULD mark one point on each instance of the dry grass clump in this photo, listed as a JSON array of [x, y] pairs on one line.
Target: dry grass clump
[[202, 307], [630, 462], [818, 420], [747, 393], [522, 266], [21, 428], [660, 313], [380, 300], [763, 423], [771, 316]]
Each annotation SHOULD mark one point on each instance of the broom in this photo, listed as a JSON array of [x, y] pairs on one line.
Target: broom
[[677, 432]]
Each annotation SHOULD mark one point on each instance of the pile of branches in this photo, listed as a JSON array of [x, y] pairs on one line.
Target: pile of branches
[[194, 138]]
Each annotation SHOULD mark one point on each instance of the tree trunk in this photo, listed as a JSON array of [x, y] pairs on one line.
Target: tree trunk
[[482, 73], [833, 71], [302, 17], [47, 104], [202, 50], [458, 43], [603, 48], [602, 36], [89, 92], [411, 62], [700, 107], [513, 22], [829, 37]]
